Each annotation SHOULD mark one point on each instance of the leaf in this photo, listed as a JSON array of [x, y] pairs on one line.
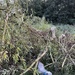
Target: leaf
[[15, 58], [5, 55]]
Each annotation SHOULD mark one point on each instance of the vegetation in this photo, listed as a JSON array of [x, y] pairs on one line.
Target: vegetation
[[56, 11], [25, 39]]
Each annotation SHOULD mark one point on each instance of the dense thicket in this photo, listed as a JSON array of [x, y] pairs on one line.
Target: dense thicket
[[24, 39], [57, 11]]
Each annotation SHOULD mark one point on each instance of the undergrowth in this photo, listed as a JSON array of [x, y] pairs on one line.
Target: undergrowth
[[24, 38]]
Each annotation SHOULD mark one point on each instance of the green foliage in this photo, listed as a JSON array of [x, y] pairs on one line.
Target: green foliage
[[68, 28], [54, 11], [39, 23]]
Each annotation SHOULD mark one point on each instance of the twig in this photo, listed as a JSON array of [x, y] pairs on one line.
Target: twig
[[64, 61], [51, 57], [71, 60], [35, 68], [49, 64], [72, 47], [4, 29]]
